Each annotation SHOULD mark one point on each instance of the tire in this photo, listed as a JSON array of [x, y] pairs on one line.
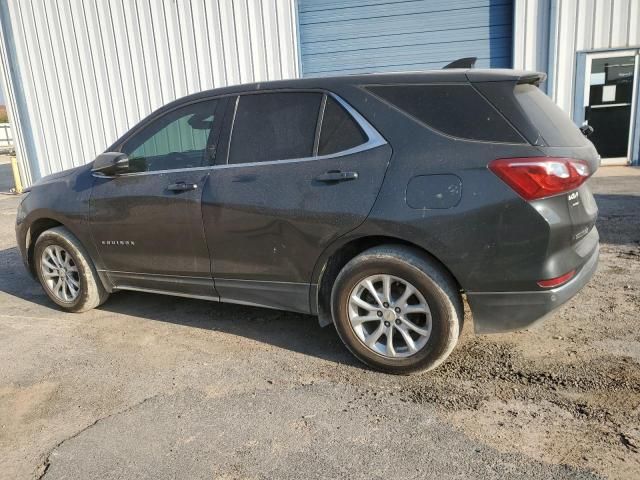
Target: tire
[[438, 325], [62, 250]]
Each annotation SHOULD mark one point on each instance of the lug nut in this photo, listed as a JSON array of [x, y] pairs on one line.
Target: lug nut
[[379, 313], [385, 305], [397, 309], [398, 322], [387, 324]]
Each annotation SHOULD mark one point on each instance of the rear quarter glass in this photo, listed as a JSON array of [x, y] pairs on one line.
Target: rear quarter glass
[[339, 131], [554, 125], [456, 109]]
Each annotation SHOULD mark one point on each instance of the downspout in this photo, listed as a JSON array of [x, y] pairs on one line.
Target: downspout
[[514, 33], [554, 20], [635, 127], [298, 44]]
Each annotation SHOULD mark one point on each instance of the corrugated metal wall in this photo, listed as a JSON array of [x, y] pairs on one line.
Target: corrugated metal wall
[[350, 36], [548, 33], [79, 73]]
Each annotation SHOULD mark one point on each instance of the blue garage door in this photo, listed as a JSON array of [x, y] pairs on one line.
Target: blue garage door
[[361, 36]]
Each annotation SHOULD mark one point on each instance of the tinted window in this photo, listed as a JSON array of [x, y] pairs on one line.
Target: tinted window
[[456, 110], [339, 130], [555, 126], [274, 126], [176, 140]]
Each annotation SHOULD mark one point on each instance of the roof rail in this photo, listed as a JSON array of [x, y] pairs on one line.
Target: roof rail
[[467, 62]]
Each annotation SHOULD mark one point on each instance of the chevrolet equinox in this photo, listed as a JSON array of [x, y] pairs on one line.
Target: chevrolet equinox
[[374, 202]]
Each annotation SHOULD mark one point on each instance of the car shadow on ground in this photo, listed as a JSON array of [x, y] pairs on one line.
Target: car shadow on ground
[[287, 330], [16, 281]]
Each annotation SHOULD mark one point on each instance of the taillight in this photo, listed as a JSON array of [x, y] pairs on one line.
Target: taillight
[[539, 177]]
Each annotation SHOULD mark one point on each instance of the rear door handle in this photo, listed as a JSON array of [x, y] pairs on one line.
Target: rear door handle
[[182, 187], [337, 176]]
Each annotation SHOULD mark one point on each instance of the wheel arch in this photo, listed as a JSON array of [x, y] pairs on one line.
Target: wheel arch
[[338, 255], [46, 222]]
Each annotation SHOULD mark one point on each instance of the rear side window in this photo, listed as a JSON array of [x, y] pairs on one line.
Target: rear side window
[[339, 130], [274, 126], [454, 109], [555, 126]]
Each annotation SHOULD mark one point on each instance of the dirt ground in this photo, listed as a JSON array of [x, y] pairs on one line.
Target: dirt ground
[[567, 392], [159, 387]]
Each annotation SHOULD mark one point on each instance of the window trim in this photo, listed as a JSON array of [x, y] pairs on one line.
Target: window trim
[[350, 112], [374, 138], [320, 119]]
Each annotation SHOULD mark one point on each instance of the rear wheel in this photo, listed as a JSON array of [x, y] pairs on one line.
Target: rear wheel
[[397, 310], [66, 272]]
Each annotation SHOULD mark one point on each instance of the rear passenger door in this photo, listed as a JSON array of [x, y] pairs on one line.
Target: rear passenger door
[[302, 169]]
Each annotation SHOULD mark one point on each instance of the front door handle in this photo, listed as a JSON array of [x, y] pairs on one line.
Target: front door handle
[[336, 176], [182, 187]]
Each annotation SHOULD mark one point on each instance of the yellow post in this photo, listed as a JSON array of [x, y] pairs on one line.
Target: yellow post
[[16, 175]]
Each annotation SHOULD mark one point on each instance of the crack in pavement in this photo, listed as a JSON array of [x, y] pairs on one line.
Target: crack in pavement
[[43, 468]]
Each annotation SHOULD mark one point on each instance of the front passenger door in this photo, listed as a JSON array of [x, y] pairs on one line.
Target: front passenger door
[[147, 223]]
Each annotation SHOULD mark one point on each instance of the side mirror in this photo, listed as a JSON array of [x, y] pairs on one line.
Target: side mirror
[[110, 164]]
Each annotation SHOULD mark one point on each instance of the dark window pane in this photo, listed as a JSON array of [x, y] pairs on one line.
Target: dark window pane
[[175, 140], [456, 110], [274, 126], [339, 130]]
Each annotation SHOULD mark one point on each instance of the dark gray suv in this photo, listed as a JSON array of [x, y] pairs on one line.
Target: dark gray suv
[[374, 202]]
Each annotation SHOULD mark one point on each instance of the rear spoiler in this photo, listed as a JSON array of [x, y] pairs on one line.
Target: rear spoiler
[[519, 77], [467, 62], [532, 78]]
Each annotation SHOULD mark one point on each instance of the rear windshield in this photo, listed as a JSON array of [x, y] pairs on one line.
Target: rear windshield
[[453, 109], [553, 125]]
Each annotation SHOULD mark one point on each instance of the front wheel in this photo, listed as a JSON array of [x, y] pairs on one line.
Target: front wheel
[[397, 310], [66, 272]]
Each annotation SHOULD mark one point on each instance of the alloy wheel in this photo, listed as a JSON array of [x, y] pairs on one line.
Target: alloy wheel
[[60, 273], [389, 315]]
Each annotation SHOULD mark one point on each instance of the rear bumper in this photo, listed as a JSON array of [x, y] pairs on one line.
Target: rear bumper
[[495, 312]]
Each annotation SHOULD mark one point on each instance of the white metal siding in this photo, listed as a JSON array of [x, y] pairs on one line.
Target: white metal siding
[[548, 33], [79, 73], [356, 36], [531, 34]]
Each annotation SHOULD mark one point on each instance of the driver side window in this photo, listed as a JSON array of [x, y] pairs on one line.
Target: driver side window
[[177, 140]]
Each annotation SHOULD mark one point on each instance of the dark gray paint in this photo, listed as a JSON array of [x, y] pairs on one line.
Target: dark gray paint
[[271, 221], [264, 233], [434, 191], [502, 312], [166, 226]]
